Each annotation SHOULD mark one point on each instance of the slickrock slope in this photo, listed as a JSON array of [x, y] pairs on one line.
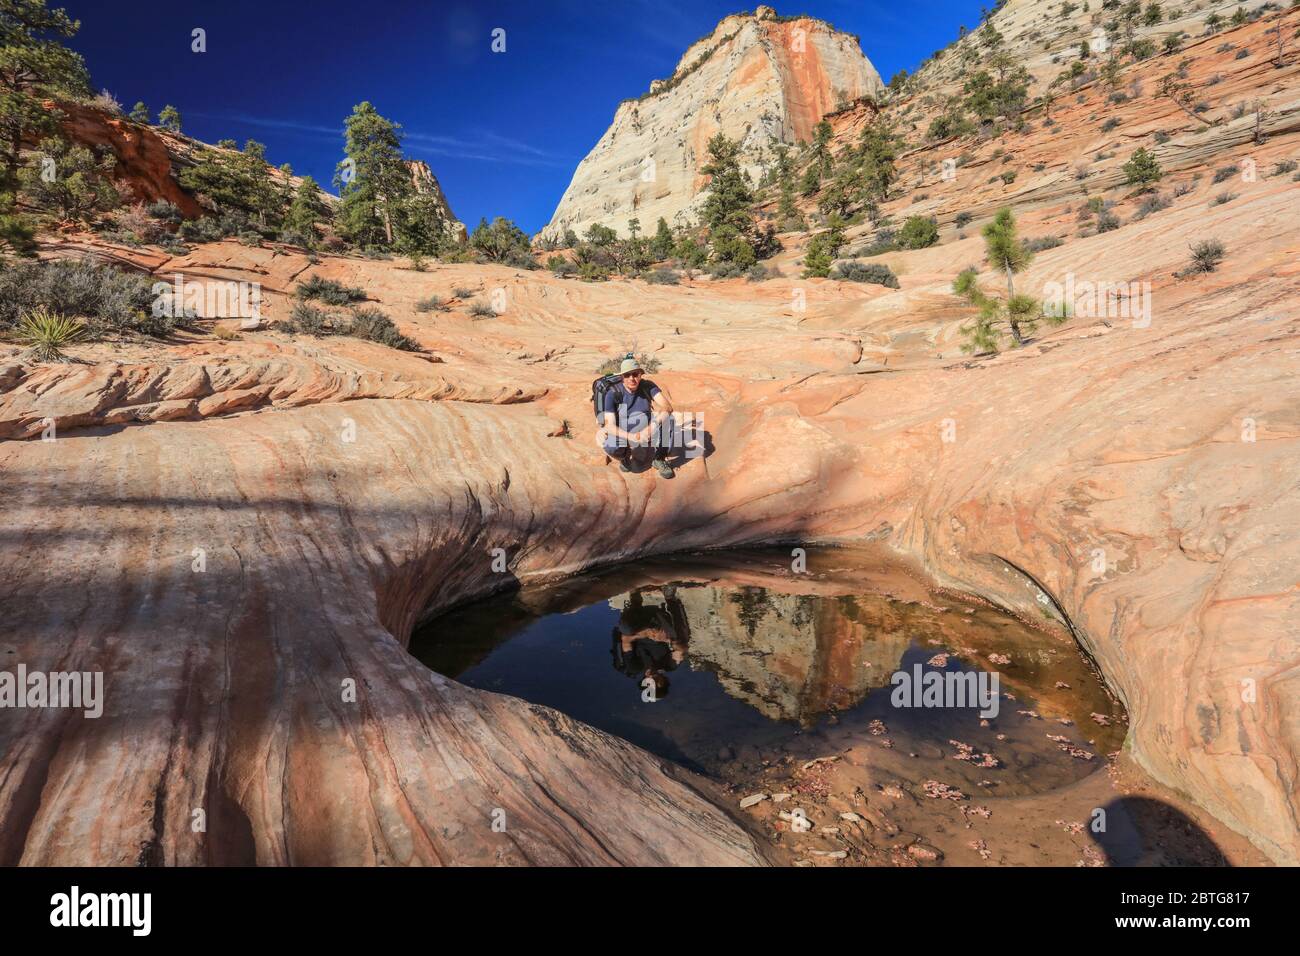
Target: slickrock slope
[[756, 78], [224, 686], [231, 572]]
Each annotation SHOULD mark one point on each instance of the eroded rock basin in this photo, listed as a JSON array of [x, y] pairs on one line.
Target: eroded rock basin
[[857, 712]]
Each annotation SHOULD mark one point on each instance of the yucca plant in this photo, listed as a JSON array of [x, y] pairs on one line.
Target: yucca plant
[[47, 333]]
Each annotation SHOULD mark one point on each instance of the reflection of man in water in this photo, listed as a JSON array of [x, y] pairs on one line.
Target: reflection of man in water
[[651, 640]]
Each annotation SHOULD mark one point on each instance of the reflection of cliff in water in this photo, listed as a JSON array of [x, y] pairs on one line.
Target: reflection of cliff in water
[[745, 653], [795, 657]]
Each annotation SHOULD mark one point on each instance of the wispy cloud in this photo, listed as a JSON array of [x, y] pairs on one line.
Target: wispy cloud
[[481, 146]]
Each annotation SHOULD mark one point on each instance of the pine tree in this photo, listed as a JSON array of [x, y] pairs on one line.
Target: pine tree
[[263, 197], [822, 249], [661, 246], [1142, 168], [169, 118], [81, 186], [16, 233], [375, 181], [877, 151], [1020, 313], [811, 181], [241, 182], [821, 148], [34, 66], [726, 208], [140, 113], [306, 210], [1004, 250]]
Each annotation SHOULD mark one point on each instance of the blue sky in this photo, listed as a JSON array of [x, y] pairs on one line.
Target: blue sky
[[502, 132]]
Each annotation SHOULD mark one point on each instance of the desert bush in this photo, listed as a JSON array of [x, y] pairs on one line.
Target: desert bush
[[1107, 222], [463, 292], [164, 211], [46, 333], [1043, 242], [611, 365], [502, 241], [876, 273], [1110, 124], [1206, 256], [962, 219], [434, 303], [481, 310], [756, 273], [312, 320], [1286, 166], [107, 298], [329, 291], [1224, 197], [371, 324], [662, 277], [1153, 203], [1225, 172]]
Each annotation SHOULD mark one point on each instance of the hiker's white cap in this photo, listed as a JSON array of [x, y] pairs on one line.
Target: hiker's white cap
[[630, 365]]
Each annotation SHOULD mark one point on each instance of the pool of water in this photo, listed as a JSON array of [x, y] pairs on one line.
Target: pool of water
[[719, 659]]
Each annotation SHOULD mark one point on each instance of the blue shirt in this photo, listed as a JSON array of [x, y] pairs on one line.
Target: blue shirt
[[637, 405]]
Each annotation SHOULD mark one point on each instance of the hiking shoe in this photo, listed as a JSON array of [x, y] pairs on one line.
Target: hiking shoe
[[665, 470]]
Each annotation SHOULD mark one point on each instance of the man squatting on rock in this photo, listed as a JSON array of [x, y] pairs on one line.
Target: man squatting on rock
[[637, 414]]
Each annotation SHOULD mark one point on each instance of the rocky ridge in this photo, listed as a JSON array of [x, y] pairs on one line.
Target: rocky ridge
[[760, 79]]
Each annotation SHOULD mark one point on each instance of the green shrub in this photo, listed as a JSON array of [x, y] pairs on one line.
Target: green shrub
[[312, 320], [1153, 203], [434, 303], [374, 326], [463, 292], [1107, 222], [481, 310], [1043, 242], [164, 211], [874, 272], [329, 291], [110, 300], [662, 277], [1225, 172], [611, 365], [1206, 256], [884, 241], [918, 233], [963, 218]]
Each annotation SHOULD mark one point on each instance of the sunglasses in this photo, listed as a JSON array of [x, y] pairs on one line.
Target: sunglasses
[[633, 374]]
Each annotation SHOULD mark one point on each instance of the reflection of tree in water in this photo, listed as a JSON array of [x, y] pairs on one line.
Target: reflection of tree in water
[[805, 608], [754, 604]]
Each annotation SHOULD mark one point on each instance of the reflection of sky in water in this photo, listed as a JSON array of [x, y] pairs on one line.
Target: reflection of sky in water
[[760, 667]]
